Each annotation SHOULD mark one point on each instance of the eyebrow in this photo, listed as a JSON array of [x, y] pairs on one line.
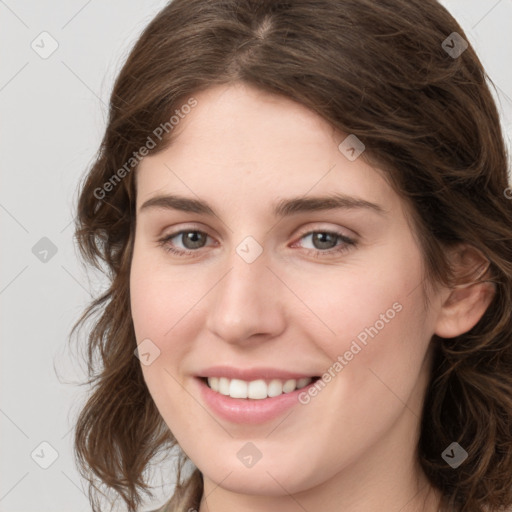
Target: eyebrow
[[283, 208]]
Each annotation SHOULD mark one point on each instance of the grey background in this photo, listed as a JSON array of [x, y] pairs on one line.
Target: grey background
[[53, 117]]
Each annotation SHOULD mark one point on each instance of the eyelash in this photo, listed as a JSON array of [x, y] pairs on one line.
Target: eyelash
[[337, 250]]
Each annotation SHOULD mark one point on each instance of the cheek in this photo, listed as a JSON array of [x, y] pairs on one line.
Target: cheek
[[160, 299], [377, 298], [159, 311], [165, 307], [373, 331]]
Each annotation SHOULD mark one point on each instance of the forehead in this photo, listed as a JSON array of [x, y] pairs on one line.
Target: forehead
[[241, 142]]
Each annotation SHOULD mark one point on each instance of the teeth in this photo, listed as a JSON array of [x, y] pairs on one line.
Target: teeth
[[289, 386], [238, 389], [275, 388], [223, 386], [256, 389], [302, 383]]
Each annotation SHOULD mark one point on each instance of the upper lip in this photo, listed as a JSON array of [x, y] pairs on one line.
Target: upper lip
[[250, 374]]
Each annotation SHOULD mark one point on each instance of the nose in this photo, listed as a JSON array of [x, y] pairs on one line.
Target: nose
[[246, 304]]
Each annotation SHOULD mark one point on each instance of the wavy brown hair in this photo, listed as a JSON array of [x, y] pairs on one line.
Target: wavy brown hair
[[376, 69]]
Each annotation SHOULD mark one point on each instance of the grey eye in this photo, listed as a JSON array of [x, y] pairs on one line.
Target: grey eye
[[193, 239], [323, 239]]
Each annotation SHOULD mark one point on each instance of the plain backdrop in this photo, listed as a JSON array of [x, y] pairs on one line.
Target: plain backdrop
[[53, 113]]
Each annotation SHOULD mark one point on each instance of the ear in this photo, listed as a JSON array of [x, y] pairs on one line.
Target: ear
[[466, 302]]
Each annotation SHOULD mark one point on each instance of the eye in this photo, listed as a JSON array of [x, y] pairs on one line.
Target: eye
[[191, 240], [328, 242]]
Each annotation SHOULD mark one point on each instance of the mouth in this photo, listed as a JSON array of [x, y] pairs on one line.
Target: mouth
[[259, 389], [243, 395]]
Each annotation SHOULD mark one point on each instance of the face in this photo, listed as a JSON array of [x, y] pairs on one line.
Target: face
[[247, 280]]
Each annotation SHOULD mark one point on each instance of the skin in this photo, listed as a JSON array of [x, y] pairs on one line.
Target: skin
[[352, 447]]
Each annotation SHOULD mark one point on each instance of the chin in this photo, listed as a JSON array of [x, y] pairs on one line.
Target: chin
[[265, 479]]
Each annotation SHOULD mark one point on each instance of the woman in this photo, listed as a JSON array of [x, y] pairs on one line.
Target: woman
[[302, 211]]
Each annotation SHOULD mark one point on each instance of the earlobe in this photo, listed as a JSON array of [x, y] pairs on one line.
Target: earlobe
[[468, 300]]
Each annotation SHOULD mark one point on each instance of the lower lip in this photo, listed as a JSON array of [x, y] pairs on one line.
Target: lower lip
[[246, 410]]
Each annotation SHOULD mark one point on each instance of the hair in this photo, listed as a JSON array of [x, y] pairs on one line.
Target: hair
[[377, 70]]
